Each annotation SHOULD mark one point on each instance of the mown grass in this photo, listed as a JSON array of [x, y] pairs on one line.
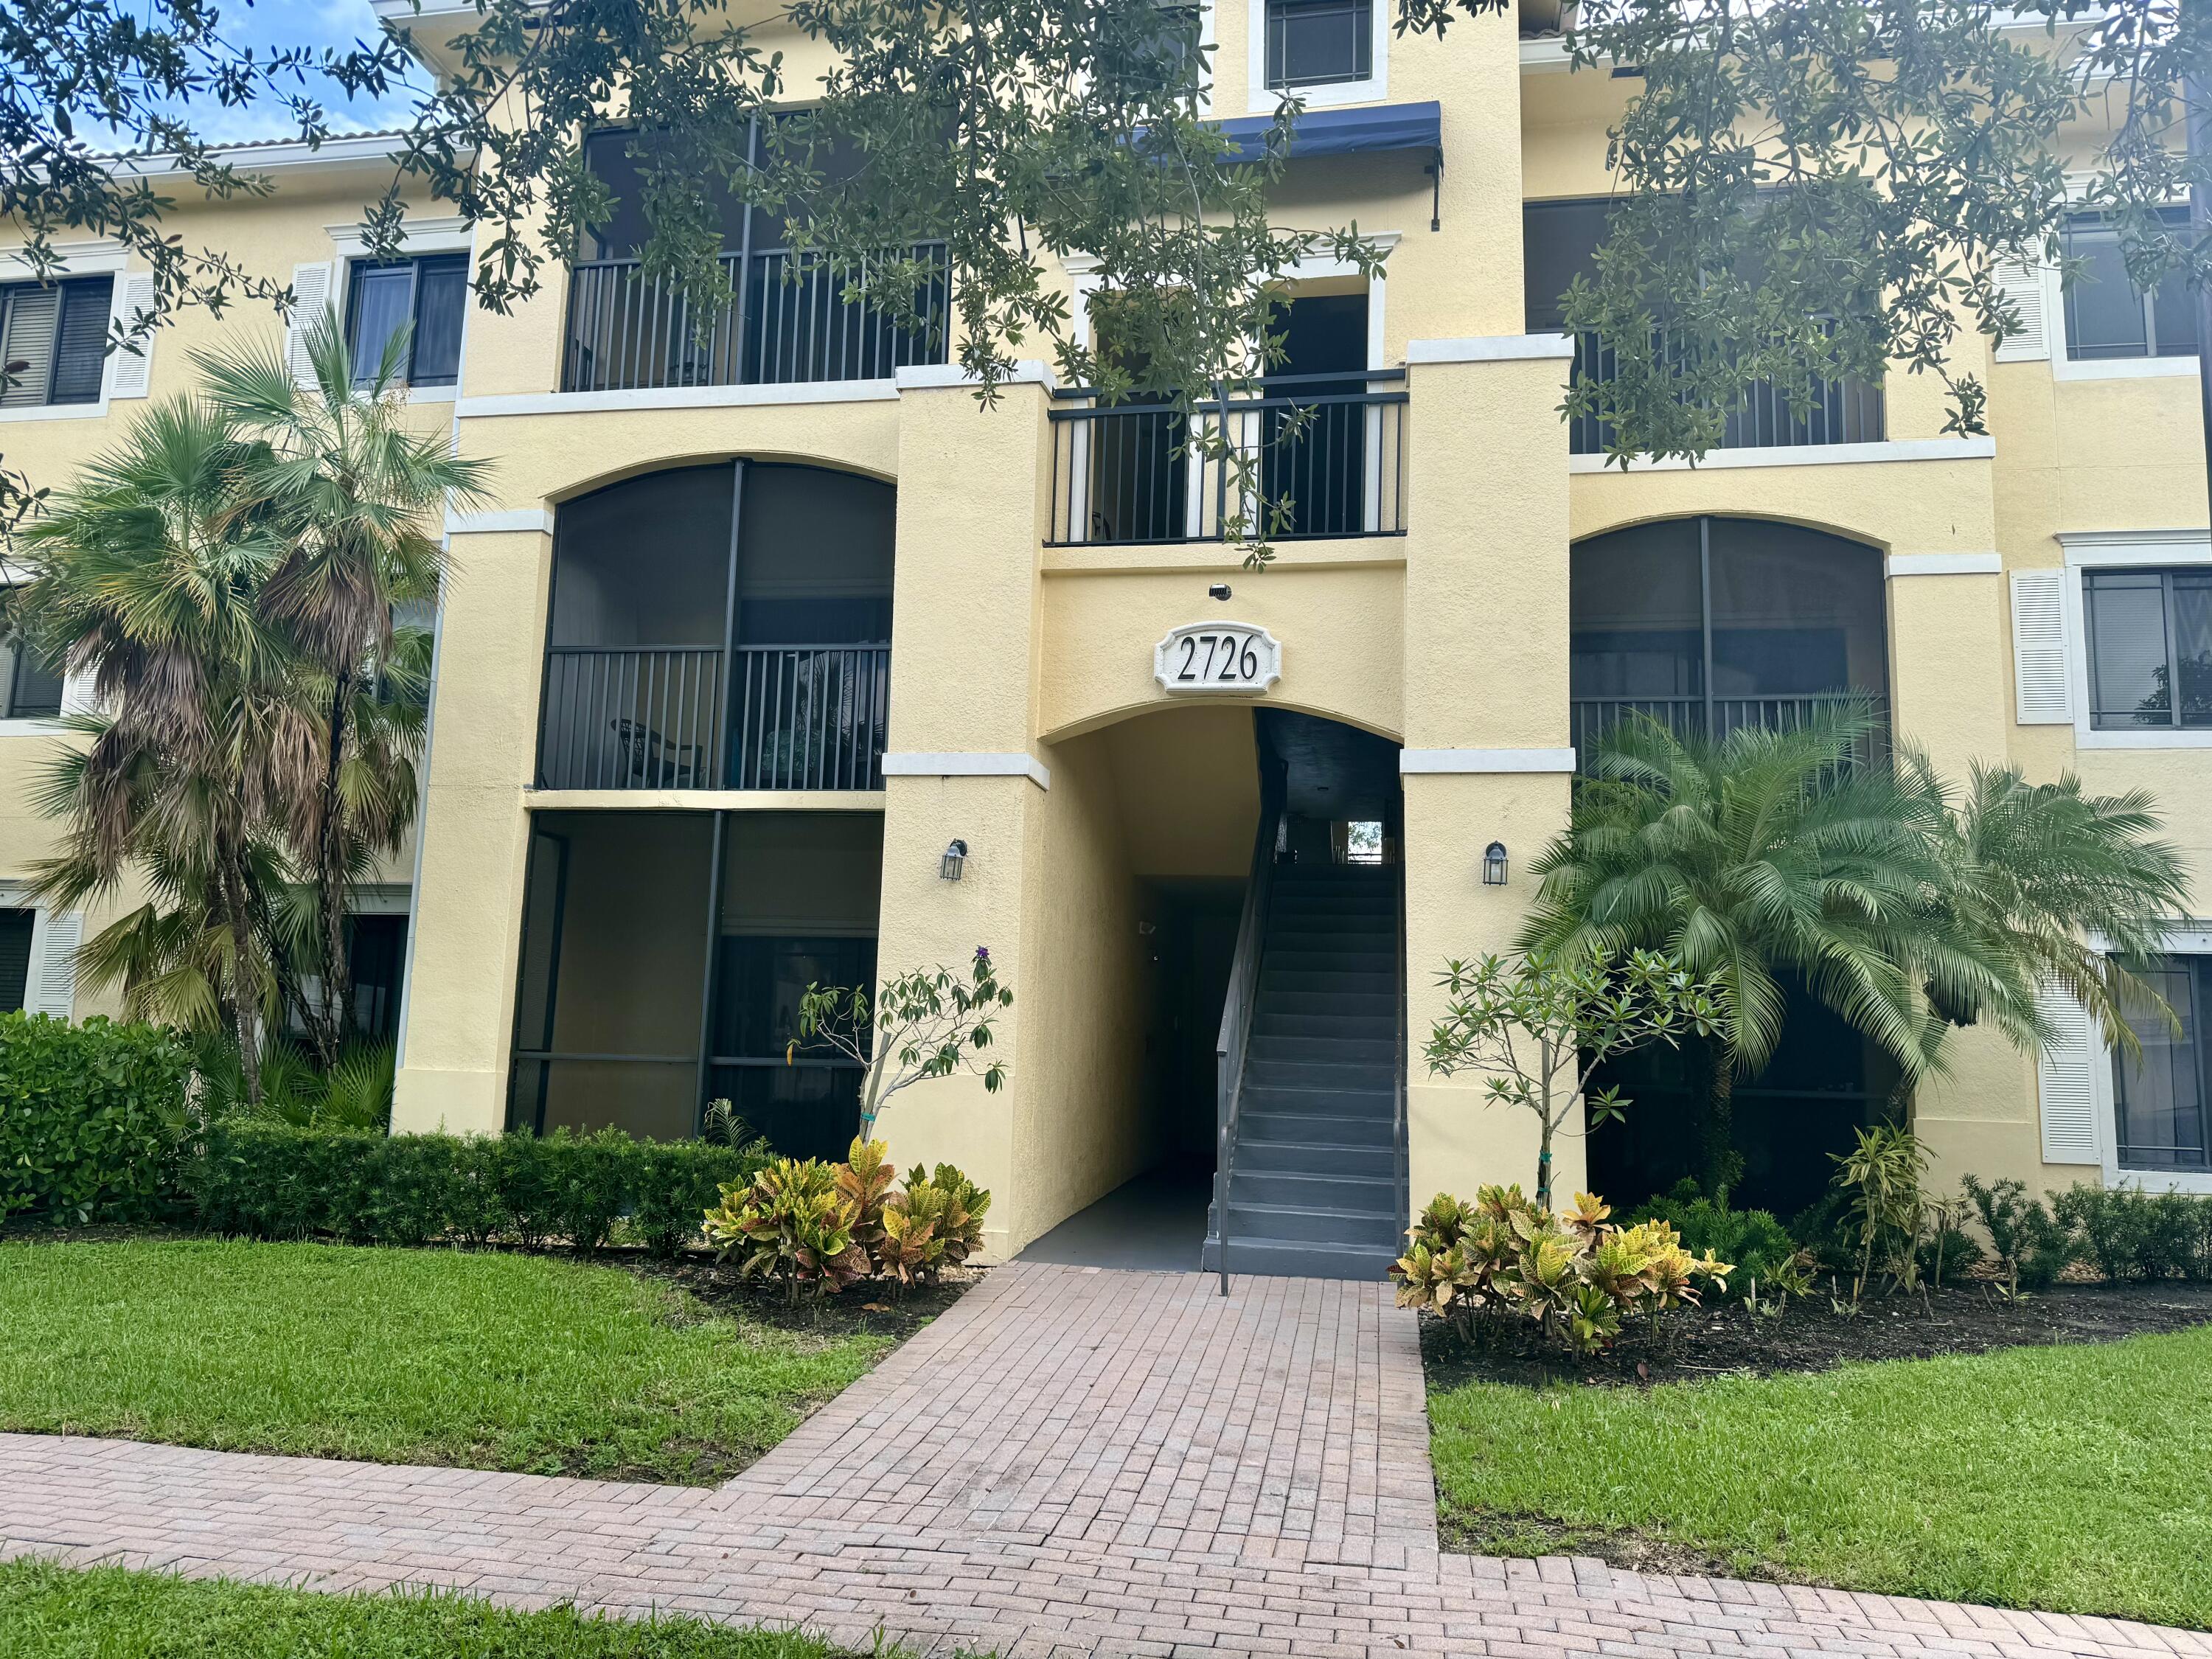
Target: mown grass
[[106, 1612], [2074, 1479], [483, 1361]]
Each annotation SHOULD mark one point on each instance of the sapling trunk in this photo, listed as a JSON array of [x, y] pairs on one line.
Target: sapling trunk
[[1719, 1139]]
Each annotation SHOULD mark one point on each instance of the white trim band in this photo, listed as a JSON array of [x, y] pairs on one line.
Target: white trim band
[[2089, 550], [1898, 449], [925, 377], [507, 519], [1423, 761], [682, 397], [1492, 348], [1943, 564], [969, 763]]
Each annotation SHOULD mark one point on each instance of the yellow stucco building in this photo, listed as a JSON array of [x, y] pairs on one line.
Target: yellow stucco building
[[775, 658]]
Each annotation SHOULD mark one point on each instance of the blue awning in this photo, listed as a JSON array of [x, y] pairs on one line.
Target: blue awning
[[1348, 131]]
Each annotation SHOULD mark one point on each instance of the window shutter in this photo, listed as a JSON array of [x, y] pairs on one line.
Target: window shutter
[[311, 298], [134, 372], [52, 989], [28, 347], [2021, 283], [2062, 1080], [2041, 693]]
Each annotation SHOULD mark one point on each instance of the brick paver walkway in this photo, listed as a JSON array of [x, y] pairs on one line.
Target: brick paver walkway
[[1069, 1461]]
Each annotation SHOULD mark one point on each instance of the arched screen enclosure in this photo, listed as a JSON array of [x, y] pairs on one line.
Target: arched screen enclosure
[[1708, 624], [723, 627]]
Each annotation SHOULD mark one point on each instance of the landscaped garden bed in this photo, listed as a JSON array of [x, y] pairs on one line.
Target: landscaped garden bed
[[106, 1612], [1813, 1335]]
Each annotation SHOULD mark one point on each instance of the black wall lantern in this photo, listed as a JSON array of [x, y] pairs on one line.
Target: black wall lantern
[[1493, 865], [956, 858]]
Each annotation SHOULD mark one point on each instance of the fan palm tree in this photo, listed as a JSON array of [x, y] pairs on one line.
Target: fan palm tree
[[147, 576], [1769, 856], [356, 496]]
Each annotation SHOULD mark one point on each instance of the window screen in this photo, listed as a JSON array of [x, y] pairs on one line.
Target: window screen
[[2107, 315], [429, 296], [2150, 648], [14, 958], [28, 688], [2160, 1096], [1313, 43]]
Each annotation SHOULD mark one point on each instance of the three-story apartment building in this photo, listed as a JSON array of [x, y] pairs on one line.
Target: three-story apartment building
[[777, 660]]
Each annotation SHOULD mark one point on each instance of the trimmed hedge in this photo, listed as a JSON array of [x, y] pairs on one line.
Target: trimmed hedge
[[89, 1118], [276, 1181]]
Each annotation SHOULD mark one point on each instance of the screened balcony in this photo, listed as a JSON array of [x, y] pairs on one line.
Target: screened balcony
[[680, 655], [1707, 625], [663, 956], [785, 318]]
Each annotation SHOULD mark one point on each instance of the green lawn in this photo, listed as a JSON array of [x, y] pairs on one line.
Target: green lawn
[[52, 1613], [2071, 1479], [489, 1361]]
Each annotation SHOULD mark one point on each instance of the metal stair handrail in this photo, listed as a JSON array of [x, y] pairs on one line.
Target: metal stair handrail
[[1236, 1007]]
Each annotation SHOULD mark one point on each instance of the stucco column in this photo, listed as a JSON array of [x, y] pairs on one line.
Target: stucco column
[[1487, 723], [959, 763], [1948, 680], [474, 831]]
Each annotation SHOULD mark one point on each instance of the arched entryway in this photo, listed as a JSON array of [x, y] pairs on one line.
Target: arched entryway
[[1258, 850]]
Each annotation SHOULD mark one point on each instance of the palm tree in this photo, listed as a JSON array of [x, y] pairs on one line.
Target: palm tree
[[2072, 885], [147, 576], [356, 497], [1771, 855], [1789, 853]]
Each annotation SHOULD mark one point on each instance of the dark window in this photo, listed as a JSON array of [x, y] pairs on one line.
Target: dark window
[[1559, 242], [1709, 624], [2107, 315], [2159, 1097], [14, 958], [1313, 43], [2150, 637], [429, 296], [53, 338], [29, 690]]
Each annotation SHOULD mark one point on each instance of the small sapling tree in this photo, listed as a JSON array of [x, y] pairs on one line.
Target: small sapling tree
[[1538, 1025], [929, 1022]]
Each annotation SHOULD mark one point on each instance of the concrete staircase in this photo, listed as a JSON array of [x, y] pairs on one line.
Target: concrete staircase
[[1315, 1188]]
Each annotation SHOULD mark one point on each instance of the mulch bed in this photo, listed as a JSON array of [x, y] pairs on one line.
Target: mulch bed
[[858, 1310], [1810, 1336]]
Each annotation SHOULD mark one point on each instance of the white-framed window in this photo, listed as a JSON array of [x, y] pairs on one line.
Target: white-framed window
[[2118, 643], [2143, 1119], [53, 340], [38, 954], [428, 294], [425, 289], [1325, 52], [31, 687], [55, 327], [2108, 318], [18, 924]]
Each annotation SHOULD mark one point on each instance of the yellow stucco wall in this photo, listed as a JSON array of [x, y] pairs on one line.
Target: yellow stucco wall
[[1451, 640]]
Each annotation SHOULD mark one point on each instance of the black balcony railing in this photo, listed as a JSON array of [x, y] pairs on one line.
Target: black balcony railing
[[786, 320], [667, 717], [1693, 715], [1318, 455], [1836, 411]]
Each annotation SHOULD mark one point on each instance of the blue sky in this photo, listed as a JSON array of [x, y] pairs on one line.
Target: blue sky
[[280, 23]]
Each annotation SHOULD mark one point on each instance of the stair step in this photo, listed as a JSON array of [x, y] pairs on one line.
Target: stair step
[[1273, 1258], [1276, 1003], [1298, 1225], [1380, 966], [1273, 1048], [1281, 1025], [1315, 1190], [1286, 978], [1302, 933], [1265, 1071], [1312, 1157], [1291, 1101], [1314, 1126]]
